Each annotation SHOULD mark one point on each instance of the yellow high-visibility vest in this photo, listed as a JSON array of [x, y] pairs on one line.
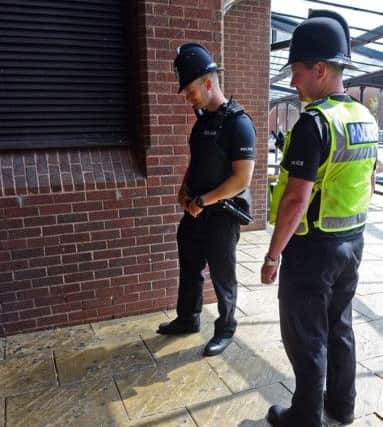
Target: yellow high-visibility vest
[[344, 179]]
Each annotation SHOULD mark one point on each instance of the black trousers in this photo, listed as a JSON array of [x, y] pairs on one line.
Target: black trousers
[[318, 279], [210, 238]]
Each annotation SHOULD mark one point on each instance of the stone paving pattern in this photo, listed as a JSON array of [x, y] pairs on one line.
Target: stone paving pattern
[[121, 373]]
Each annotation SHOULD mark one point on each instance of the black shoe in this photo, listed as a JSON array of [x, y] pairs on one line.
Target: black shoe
[[177, 327], [216, 345], [335, 413], [277, 415]]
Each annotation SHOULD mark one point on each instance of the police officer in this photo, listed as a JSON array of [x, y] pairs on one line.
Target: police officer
[[319, 208], [222, 152]]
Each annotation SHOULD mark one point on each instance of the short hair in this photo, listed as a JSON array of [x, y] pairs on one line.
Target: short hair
[[335, 67], [212, 76]]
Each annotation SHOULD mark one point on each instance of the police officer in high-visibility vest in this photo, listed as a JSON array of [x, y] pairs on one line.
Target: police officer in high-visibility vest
[[213, 196], [319, 208]]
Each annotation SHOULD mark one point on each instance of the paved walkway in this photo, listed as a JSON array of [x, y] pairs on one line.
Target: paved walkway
[[121, 373]]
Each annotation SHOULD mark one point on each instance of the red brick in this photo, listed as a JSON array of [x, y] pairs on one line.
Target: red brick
[[109, 272], [95, 284], [60, 319], [94, 246], [51, 300], [32, 293], [36, 312], [15, 327], [89, 226], [24, 233], [66, 308], [113, 310], [16, 306], [78, 277], [58, 229], [30, 274]]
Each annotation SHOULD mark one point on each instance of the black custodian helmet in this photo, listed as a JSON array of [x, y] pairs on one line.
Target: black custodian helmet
[[323, 36], [193, 61]]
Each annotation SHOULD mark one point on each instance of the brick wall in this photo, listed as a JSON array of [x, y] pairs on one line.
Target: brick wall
[[246, 77], [89, 234]]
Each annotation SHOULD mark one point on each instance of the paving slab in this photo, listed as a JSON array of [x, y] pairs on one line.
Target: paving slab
[[375, 365], [256, 251], [154, 391], [370, 420], [248, 275], [45, 341], [176, 349], [133, 326], [180, 418], [255, 332], [370, 271], [262, 303], [369, 389], [84, 405], [369, 305], [243, 409], [242, 256], [101, 358], [372, 252], [256, 237], [369, 288], [243, 369], [25, 373], [369, 340]]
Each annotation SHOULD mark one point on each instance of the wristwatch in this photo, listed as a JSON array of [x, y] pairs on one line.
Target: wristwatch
[[199, 202], [271, 262]]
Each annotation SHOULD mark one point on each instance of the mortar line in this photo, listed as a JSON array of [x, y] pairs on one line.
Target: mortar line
[[191, 416], [55, 368], [122, 400], [148, 349]]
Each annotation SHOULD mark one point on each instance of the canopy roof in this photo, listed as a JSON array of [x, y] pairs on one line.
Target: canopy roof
[[366, 32]]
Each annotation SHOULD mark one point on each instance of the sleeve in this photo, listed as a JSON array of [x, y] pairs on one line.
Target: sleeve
[[242, 139], [305, 152]]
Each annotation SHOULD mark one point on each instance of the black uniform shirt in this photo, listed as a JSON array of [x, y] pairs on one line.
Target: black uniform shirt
[[309, 148], [214, 144]]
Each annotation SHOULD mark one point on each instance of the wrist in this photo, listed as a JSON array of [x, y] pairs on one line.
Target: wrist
[[199, 201], [271, 261]]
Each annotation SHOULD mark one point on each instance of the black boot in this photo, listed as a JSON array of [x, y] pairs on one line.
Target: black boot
[[336, 414], [177, 327], [217, 345]]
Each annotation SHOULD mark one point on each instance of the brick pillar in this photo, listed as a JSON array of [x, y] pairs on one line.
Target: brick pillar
[[246, 54], [167, 119]]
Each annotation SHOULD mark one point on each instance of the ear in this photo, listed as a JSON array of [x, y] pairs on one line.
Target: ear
[[208, 83], [321, 69]]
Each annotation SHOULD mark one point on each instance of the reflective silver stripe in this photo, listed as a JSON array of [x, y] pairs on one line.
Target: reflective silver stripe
[[333, 223], [361, 153], [341, 152]]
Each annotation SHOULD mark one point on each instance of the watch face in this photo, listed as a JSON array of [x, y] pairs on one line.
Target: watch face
[[199, 202]]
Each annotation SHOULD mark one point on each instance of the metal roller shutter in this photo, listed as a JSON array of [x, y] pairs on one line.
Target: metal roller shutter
[[64, 73]]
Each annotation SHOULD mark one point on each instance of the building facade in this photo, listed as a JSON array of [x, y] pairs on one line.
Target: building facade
[[93, 142]]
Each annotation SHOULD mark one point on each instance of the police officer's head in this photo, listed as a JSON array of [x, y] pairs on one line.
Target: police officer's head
[[319, 50], [323, 36], [192, 61], [197, 74]]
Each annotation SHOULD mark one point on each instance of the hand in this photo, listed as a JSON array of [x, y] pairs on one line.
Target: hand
[[193, 209], [184, 199], [268, 274]]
